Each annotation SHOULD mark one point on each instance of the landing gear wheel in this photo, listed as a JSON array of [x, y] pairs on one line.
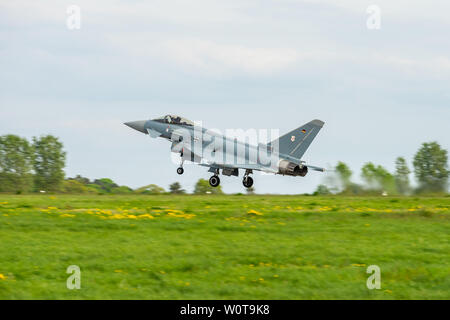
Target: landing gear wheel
[[247, 182], [214, 181], [180, 170]]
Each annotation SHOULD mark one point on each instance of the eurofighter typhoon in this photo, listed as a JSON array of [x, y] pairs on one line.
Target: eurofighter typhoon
[[221, 153]]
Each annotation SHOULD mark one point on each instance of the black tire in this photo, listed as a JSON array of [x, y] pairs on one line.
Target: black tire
[[214, 181], [180, 170], [247, 182]]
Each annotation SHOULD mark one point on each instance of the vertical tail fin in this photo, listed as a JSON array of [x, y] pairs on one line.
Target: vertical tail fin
[[296, 142]]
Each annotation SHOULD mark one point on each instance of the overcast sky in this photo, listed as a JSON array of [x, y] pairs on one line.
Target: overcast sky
[[231, 64]]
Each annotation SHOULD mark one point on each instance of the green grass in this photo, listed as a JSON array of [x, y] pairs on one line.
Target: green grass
[[211, 247]]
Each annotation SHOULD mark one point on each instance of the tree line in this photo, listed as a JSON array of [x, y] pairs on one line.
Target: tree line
[[82, 185], [430, 168], [38, 166]]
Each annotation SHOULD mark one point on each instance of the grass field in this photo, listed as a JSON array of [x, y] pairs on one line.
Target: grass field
[[224, 247]]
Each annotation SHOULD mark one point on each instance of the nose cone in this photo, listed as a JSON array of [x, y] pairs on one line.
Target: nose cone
[[137, 125]]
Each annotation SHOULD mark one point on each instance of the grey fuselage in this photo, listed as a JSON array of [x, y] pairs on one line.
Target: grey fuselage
[[218, 150]]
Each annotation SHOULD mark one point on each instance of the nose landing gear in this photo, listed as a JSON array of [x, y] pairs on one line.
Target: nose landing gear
[[180, 169]]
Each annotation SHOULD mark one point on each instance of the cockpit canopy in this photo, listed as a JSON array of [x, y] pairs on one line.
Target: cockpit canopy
[[173, 119]]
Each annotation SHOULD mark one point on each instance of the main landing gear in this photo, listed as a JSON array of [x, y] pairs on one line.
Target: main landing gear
[[247, 181], [214, 181]]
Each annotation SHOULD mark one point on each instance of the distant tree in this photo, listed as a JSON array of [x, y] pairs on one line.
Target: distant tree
[[176, 188], [378, 178], [81, 179], [121, 190], [322, 190], [202, 186], [402, 176], [431, 168], [49, 162], [74, 187], [344, 173], [150, 189], [106, 185], [339, 179], [15, 164], [95, 188]]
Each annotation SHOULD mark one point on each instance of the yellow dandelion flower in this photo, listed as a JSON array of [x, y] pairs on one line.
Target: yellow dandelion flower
[[66, 215], [2, 277], [146, 215], [257, 213]]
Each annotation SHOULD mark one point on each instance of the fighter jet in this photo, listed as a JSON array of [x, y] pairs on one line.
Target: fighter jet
[[228, 154]]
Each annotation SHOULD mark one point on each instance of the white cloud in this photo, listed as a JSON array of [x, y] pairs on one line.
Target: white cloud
[[102, 11], [437, 10], [208, 55], [435, 66]]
